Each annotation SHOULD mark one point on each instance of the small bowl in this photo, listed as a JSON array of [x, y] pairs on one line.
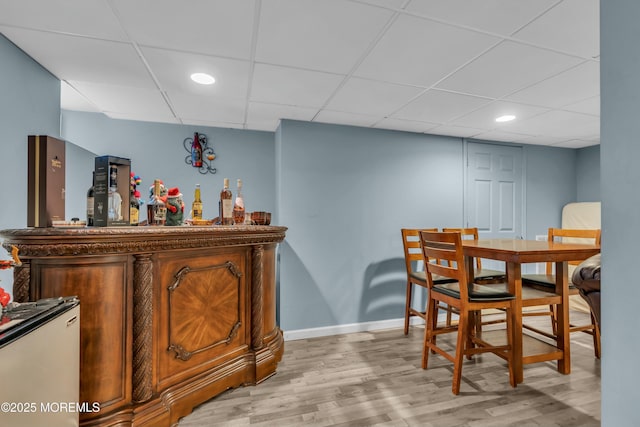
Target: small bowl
[[261, 218]]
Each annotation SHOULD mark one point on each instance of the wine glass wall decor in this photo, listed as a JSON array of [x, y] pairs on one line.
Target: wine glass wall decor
[[200, 155]]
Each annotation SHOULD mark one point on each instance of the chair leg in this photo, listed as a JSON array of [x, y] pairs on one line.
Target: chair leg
[[436, 309], [475, 326], [596, 337], [554, 321], [460, 347], [512, 373], [407, 307], [429, 328]]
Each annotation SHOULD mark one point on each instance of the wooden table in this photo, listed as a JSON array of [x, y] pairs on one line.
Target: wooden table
[[514, 253]]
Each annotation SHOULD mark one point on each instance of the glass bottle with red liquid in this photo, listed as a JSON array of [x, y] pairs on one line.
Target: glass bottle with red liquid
[[196, 151]]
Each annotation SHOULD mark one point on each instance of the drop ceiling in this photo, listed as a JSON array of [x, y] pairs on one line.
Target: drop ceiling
[[445, 67]]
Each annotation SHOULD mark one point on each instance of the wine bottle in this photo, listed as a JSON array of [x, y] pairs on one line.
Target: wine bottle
[[134, 208], [238, 206], [156, 209], [196, 151], [196, 206], [90, 201], [226, 204]]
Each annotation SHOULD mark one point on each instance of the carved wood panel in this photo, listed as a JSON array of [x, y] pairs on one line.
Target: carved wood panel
[[101, 288], [206, 310]]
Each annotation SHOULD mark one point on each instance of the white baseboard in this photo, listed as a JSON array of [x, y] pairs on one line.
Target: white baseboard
[[325, 331]]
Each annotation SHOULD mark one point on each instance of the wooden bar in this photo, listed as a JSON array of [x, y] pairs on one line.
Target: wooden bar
[[170, 316]]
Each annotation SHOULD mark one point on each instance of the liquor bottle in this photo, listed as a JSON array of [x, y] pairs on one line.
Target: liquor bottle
[[134, 208], [238, 206], [90, 201], [196, 206], [196, 151], [156, 209], [226, 204], [115, 200]]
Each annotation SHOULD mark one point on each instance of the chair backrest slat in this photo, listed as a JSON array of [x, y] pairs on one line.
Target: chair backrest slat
[[576, 235], [445, 246], [411, 244], [470, 233]]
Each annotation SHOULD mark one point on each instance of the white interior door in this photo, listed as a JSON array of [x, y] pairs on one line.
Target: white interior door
[[494, 191]]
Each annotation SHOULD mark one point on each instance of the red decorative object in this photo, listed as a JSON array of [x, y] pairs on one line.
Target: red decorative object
[[196, 151], [201, 155], [4, 264]]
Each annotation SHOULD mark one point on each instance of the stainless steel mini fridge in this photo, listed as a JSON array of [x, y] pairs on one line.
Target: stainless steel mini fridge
[[40, 363]]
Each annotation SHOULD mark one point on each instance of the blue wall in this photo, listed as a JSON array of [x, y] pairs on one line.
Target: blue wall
[[156, 151], [550, 184], [345, 192], [29, 105], [588, 174], [620, 152]]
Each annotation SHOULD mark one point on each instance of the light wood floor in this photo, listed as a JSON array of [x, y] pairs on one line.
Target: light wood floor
[[375, 379]]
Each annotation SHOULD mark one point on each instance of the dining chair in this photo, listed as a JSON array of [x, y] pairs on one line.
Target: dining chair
[[467, 298], [547, 281], [480, 275], [415, 273]]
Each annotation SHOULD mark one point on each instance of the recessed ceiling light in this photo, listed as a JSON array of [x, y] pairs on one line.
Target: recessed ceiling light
[[203, 78], [505, 118]]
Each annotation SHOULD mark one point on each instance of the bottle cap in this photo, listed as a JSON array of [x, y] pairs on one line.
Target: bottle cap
[[226, 182], [239, 183]]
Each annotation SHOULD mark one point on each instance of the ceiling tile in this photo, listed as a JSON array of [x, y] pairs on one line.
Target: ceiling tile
[[502, 136], [338, 117], [420, 52], [485, 116], [450, 130], [267, 116], [568, 27], [327, 35], [71, 99], [495, 16], [438, 106], [575, 143], [565, 88], [542, 140], [93, 18], [173, 70], [291, 86], [588, 106], [388, 4], [143, 116], [82, 59], [124, 100], [371, 97], [218, 27], [506, 68], [405, 125], [207, 108], [560, 124], [213, 123]]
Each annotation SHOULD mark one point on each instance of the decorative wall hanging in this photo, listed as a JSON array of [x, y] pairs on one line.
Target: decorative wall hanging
[[200, 154]]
